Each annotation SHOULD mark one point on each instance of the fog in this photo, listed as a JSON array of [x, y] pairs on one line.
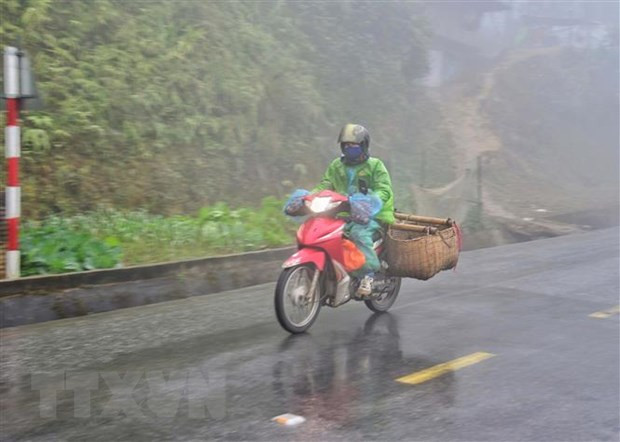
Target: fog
[[529, 92], [500, 114]]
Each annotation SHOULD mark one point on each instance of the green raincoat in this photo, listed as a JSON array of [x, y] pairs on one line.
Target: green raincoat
[[344, 179], [373, 170]]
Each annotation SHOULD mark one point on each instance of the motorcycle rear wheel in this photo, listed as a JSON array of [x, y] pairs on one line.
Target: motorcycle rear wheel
[[385, 301], [296, 309]]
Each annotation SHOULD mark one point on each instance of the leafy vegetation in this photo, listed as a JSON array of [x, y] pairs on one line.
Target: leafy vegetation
[[54, 247], [171, 106], [110, 238], [156, 109]]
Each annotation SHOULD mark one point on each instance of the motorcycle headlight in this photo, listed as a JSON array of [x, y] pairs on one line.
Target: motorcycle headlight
[[321, 204]]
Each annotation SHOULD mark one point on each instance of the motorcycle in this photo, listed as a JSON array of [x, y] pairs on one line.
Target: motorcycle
[[315, 275]]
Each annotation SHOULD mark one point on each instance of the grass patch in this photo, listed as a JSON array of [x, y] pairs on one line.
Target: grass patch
[[111, 238]]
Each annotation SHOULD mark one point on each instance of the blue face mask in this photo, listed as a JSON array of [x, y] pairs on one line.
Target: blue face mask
[[353, 152]]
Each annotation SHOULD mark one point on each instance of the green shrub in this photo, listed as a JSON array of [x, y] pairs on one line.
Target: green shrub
[[99, 239], [54, 248]]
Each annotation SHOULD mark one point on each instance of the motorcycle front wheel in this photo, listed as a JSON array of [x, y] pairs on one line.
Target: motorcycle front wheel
[[297, 308], [385, 300]]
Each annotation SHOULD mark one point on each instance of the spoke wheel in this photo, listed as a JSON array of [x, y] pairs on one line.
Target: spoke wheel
[[385, 300], [296, 307]]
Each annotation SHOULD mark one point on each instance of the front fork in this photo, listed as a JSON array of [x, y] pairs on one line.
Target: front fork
[[303, 299], [314, 284]]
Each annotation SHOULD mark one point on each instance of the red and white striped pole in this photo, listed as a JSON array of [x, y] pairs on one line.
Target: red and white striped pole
[[12, 152]]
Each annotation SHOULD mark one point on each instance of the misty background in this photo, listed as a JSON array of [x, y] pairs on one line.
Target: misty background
[[500, 114]]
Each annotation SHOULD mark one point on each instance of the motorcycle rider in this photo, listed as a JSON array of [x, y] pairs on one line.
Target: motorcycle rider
[[346, 175]]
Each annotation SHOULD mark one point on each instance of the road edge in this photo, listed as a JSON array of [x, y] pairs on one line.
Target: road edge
[[45, 298]]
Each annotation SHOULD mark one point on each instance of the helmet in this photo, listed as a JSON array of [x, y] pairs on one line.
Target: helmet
[[355, 133]]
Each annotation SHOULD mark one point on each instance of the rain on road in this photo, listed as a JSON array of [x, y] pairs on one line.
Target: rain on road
[[520, 343]]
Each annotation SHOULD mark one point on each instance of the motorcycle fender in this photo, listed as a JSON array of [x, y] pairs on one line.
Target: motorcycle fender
[[303, 256]]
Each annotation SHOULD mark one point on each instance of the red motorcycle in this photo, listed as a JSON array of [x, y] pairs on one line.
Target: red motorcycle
[[316, 276]]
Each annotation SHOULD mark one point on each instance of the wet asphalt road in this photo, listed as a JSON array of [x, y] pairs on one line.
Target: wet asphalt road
[[220, 367]]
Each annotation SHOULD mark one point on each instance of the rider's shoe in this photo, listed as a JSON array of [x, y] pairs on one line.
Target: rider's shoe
[[365, 288]]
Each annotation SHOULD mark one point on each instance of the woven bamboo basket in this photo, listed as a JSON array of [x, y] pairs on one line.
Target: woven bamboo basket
[[421, 247]]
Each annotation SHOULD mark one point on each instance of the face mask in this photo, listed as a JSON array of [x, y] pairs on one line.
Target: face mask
[[353, 152]]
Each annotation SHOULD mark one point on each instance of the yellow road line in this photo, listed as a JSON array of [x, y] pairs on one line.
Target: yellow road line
[[604, 314], [430, 373]]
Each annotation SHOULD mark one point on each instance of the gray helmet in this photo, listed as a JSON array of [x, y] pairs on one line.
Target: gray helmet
[[355, 133]]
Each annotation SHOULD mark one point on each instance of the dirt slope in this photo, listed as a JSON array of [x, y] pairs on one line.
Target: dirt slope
[[514, 185]]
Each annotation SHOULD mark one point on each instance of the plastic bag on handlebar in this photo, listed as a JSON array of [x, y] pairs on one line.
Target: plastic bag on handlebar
[[364, 207], [295, 203]]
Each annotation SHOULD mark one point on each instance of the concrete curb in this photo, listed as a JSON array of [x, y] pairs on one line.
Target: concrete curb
[[44, 298], [126, 274]]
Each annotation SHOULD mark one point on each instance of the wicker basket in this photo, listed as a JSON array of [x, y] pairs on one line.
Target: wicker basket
[[422, 255]]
